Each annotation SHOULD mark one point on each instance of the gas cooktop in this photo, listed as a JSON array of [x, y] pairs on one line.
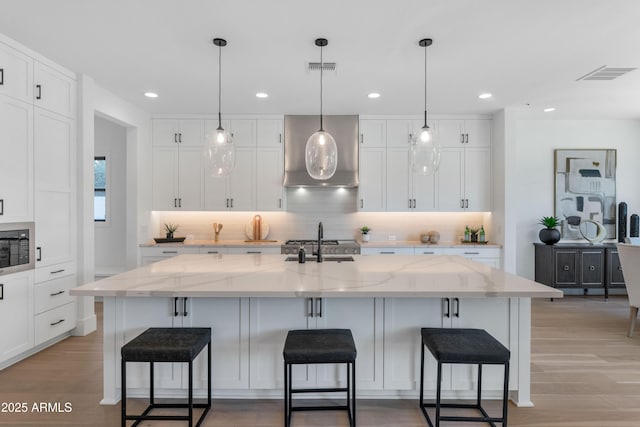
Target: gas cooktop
[[328, 246]]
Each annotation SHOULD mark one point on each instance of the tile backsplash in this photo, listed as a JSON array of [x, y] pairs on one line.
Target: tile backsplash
[[336, 208]]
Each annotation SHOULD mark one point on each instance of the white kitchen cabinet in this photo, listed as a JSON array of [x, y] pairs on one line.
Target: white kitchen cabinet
[[269, 133], [55, 322], [16, 161], [53, 90], [16, 314], [373, 133], [236, 191], [464, 176], [366, 249], [213, 251], [54, 172], [269, 166], [373, 179], [178, 178], [427, 250], [487, 256], [16, 74], [153, 254], [272, 318], [407, 191], [254, 250], [404, 317]]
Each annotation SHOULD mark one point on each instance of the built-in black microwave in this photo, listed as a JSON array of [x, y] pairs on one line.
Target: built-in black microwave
[[17, 244]]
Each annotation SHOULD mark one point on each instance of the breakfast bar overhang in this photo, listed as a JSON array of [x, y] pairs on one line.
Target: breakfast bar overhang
[[251, 301]]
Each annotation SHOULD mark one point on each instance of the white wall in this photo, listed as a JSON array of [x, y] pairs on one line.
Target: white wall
[[530, 187], [110, 236]]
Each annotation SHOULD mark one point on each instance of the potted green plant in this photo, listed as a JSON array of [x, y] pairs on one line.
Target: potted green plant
[[364, 230], [550, 234], [170, 229]]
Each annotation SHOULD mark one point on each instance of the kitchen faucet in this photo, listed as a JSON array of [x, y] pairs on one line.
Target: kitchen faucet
[[320, 236]]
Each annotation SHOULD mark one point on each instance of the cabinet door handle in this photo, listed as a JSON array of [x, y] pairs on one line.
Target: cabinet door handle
[[409, 203], [254, 252], [472, 253], [175, 138], [180, 138], [280, 203], [39, 90], [428, 253], [361, 203], [319, 304], [169, 252], [39, 257], [466, 203], [179, 202], [592, 268], [447, 307], [466, 138], [184, 307], [619, 268], [279, 138], [175, 307], [361, 138], [1, 76], [232, 203], [56, 323], [565, 268], [309, 307], [56, 293], [57, 271], [1, 291], [1, 206], [227, 202], [387, 252], [456, 302], [462, 203], [212, 252], [462, 138], [175, 203]]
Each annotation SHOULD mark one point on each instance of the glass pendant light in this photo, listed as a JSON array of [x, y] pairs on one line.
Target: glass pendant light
[[219, 151], [321, 151], [425, 149]]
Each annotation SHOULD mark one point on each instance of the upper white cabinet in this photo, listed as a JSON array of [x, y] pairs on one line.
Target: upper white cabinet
[[178, 164], [373, 133], [16, 161], [464, 176], [180, 179], [53, 90], [373, 179], [16, 74]]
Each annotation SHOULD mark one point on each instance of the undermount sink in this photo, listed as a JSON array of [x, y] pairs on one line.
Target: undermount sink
[[326, 258]]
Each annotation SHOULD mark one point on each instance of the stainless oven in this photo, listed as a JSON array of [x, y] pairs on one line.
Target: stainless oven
[[17, 247]]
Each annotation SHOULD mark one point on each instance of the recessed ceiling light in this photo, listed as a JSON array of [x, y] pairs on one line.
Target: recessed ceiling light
[[548, 110], [262, 95], [151, 94], [485, 95], [374, 95]]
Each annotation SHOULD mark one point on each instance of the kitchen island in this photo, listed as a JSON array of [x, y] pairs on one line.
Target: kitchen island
[[251, 301]]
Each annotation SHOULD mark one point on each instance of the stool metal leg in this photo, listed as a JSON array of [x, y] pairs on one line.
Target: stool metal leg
[[421, 375], [479, 400], [353, 393], [151, 384], [505, 396], [191, 394], [438, 394], [123, 382], [286, 395]]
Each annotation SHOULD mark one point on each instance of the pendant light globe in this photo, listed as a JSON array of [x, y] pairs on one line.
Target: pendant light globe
[[219, 150], [321, 151], [424, 152]]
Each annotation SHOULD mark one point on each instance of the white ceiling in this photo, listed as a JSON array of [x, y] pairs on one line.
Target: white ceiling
[[522, 51]]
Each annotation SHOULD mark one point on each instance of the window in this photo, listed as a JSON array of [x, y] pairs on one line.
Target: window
[[100, 189]]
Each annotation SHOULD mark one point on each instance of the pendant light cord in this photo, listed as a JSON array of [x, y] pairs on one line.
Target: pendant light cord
[[321, 69], [425, 87], [220, 88]]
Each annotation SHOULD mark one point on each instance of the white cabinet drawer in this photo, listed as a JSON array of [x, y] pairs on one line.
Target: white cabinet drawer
[[213, 251], [168, 251], [53, 293], [473, 252], [253, 250], [55, 271], [386, 251], [426, 250], [55, 322]]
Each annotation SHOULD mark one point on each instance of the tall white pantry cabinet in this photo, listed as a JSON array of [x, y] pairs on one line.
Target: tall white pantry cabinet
[[37, 184]]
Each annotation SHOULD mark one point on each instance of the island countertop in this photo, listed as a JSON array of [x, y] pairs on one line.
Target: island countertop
[[271, 276]]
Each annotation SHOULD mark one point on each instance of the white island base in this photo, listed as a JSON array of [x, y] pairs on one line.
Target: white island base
[[383, 300]]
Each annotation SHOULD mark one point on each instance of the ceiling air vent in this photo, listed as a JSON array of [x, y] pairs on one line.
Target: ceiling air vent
[[326, 66], [606, 73]]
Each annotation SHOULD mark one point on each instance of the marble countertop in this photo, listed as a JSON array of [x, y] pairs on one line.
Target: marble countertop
[[271, 276]]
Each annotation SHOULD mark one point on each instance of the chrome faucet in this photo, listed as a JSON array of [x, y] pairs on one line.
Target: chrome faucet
[[320, 236]]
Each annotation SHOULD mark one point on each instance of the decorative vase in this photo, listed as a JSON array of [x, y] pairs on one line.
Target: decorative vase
[[549, 236], [474, 237], [365, 237], [169, 235]]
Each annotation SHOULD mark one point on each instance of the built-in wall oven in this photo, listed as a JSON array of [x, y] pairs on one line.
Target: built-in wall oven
[[17, 247]]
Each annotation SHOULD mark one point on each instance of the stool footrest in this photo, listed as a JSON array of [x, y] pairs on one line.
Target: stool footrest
[[318, 390], [321, 408]]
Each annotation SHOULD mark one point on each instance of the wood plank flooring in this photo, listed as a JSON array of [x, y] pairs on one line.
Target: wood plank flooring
[[586, 373]]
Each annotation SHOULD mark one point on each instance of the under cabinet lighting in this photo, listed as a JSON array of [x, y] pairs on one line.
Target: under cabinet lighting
[[374, 95], [548, 110], [485, 95], [262, 95], [151, 94]]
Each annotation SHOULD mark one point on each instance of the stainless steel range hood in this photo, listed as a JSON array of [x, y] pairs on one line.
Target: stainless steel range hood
[[298, 129]]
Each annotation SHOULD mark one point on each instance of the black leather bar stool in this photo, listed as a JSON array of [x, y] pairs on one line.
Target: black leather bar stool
[[167, 345], [466, 346], [320, 346]]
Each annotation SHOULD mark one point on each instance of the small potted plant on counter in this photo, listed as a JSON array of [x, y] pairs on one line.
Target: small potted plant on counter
[[170, 229], [364, 230], [550, 234]]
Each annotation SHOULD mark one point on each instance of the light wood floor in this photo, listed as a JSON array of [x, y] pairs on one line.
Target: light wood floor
[[586, 373]]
